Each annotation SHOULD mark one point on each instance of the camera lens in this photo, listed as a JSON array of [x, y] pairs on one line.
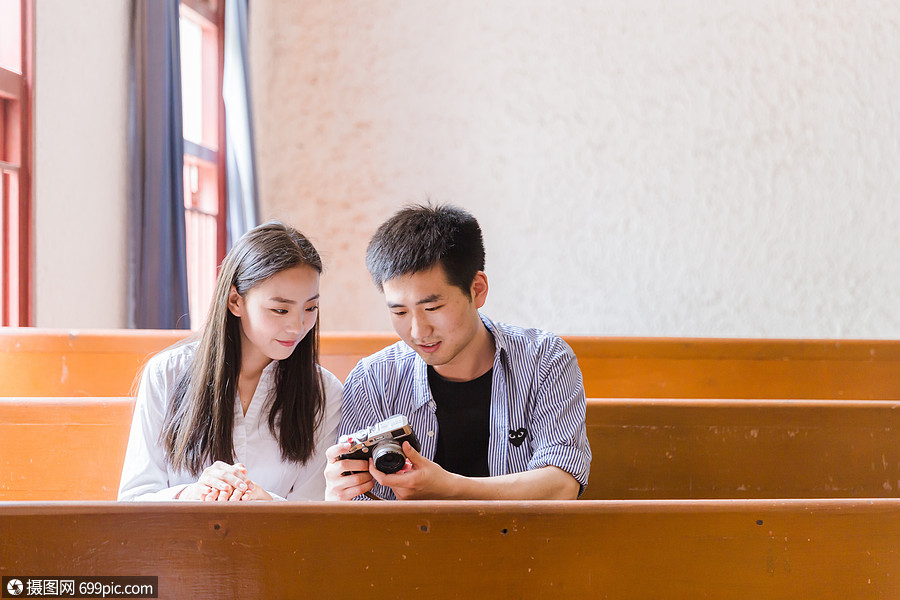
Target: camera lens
[[389, 457]]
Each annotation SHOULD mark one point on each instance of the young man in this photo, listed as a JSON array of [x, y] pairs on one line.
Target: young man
[[498, 410]]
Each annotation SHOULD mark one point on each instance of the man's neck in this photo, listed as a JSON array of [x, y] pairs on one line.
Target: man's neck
[[476, 360]]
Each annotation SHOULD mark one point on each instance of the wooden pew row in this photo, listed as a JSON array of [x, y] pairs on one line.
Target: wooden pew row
[[651, 448], [62, 448], [738, 368], [73, 449], [819, 549], [55, 362], [41, 362]]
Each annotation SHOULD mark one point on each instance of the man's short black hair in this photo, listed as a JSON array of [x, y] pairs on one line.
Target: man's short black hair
[[419, 237]]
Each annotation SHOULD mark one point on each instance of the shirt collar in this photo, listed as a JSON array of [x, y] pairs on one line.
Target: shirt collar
[[500, 342]]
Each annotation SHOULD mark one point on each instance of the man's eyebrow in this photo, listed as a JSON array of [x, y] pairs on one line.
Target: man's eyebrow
[[425, 300]]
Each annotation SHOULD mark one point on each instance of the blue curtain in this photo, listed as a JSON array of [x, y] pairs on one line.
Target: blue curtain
[[243, 208], [158, 290]]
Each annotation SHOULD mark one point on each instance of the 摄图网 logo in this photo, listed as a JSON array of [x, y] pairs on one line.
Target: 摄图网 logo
[[14, 587]]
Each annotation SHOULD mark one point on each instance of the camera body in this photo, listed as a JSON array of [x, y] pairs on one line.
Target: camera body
[[382, 441]]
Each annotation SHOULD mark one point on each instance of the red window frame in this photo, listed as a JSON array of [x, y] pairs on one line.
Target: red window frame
[[16, 173], [204, 163]]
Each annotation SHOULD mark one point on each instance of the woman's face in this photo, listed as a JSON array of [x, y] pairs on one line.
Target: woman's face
[[276, 314]]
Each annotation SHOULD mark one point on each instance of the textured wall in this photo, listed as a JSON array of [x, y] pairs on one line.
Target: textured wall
[[80, 218], [639, 168]]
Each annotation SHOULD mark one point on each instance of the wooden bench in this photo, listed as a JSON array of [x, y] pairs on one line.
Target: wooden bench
[[73, 448], [62, 448], [41, 362], [738, 368], [823, 549], [651, 448]]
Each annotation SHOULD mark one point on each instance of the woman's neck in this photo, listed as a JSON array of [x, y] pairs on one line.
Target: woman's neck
[[253, 362], [252, 366]]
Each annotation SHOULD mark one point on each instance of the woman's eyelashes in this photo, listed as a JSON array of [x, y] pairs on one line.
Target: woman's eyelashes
[[284, 311]]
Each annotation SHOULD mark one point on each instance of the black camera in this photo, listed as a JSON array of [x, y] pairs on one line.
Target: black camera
[[383, 442]]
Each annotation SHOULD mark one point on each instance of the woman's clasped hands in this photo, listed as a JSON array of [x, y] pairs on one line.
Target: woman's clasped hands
[[221, 482]]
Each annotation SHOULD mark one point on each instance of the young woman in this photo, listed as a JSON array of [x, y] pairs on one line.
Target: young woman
[[242, 411]]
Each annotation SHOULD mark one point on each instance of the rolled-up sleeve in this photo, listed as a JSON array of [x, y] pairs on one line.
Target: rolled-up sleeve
[[559, 436]]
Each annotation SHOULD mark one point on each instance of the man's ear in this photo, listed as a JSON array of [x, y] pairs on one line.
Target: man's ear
[[479, 289], [235, 302]]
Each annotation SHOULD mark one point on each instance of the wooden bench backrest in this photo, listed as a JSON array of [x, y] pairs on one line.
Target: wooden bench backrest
[[738, 368], [40, 362], [645, 449], [72, 449], [834, 549], [36, 362], [62, 448]]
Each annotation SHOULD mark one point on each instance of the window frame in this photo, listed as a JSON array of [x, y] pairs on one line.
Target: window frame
[[210, 14], [16, 94]]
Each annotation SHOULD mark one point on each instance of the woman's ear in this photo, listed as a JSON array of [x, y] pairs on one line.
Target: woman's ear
[[479, 289], [235, 302]]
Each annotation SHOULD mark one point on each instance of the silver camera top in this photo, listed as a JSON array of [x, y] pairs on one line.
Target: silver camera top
[[392, 427], [383, 442]]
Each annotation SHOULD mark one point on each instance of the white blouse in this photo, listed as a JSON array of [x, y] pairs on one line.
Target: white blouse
[[146, 474]]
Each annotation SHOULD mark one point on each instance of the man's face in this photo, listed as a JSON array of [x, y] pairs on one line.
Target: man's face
[[434, 317]]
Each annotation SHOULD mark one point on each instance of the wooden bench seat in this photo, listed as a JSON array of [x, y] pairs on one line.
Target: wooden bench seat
[[822, 549], [73, 448], [43, 362]]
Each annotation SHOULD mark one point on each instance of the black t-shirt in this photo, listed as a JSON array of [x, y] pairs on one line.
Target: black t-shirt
[[464, 423]]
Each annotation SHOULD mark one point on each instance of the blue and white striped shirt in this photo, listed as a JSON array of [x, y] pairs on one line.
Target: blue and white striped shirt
[[536, 393]]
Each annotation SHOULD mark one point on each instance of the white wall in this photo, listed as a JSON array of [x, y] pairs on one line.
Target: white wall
[[80, 193], [641, 168], [638, 168]]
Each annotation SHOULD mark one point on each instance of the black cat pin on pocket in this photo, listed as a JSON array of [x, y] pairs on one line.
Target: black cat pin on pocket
[[518, 436]]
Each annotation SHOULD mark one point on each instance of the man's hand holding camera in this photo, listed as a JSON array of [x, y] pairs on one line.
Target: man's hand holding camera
[[388, 452], [419, 479], [361, 458]]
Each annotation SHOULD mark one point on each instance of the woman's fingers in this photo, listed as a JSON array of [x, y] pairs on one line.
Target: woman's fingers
[[221, 482], [256, 493], [225, 477]]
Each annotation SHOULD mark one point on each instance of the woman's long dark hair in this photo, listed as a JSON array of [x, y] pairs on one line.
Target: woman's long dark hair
[[199, 423]]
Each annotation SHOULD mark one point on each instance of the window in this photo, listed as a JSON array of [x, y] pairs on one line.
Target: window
[[15, 161], [202, 57]]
